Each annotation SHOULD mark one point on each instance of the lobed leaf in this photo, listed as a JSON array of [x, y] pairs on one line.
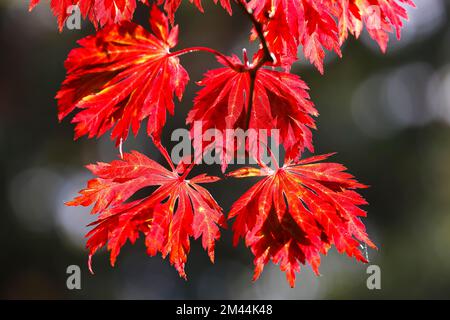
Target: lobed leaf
[[100, 12], [122, 76], [279, 101], [178, 210], [322, 25], [297, 212]]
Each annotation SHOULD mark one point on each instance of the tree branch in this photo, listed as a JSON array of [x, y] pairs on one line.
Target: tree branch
[[260, 31]]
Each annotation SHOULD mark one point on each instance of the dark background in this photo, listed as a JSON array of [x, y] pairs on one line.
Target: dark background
[[387, 116]]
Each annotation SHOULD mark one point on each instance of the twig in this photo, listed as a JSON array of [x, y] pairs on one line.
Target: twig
[[259, 30]]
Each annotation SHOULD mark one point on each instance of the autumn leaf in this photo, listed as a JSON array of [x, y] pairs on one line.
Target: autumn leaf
[[380, 17], [288, 24], [279, 101], [297, 212], [318, 31], [100, 12], [121, 76], [317, 26], [176, 211]]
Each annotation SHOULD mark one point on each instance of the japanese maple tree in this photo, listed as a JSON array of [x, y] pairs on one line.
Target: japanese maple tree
[[125, 75]]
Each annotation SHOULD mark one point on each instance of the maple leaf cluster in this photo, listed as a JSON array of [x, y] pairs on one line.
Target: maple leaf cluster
[[125, 74]]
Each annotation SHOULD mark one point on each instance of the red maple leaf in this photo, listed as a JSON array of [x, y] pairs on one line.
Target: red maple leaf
[[288, 24], [178, 210], [100, 12], [281, 29], [320, 25], [380, 18], [297, 212], [318, 30], [279, 101], [121, 76]]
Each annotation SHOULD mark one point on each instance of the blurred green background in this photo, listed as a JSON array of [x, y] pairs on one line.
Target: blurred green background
[[387, 116]]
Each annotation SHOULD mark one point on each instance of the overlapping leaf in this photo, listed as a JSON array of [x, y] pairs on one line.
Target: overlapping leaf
[[380, 17], [279, 101], [100, 12], [297, 212], [178, 210], [288, 24], [121, 76], [324, 24]]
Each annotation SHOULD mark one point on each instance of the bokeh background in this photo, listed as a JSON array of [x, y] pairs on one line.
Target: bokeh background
[[388, 116]]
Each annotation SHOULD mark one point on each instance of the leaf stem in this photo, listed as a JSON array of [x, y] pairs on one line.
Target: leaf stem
[[267, 57], [260, 31], [204, 49]]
